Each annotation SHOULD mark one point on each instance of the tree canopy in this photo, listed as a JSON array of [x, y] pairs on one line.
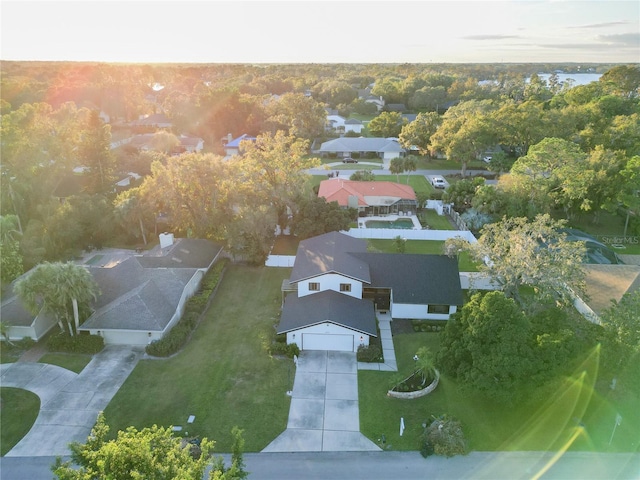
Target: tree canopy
[[63, 290], [152, 453]]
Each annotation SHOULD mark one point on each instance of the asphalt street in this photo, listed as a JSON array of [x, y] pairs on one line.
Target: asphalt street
[[399, 466]]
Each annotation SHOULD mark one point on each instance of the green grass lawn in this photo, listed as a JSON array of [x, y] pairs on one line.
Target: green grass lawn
[[609, 224], [71, 361], [19, 410], [434, 221], [544, 423], [224, 376]]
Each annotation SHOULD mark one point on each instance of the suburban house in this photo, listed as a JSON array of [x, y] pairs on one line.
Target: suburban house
[[145, 142], [337, 286], [156, 120], [607, 283], [337, 123], [370, 198], [365, 94], [232, 147], [142, 295], [385, 148]]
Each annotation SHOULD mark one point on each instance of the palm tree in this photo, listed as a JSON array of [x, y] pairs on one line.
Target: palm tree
[[425, 363], [58, 289]]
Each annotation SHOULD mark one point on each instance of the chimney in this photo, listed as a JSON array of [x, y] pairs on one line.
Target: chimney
[[166, 239], [229, 138]]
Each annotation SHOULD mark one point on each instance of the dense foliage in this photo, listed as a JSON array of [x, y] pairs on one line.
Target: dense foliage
[[151, 453]]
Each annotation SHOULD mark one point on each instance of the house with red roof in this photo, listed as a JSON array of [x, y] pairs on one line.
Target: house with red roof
[[370, 198]]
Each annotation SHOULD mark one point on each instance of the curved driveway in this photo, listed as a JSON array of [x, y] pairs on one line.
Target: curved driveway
[[69, 402]]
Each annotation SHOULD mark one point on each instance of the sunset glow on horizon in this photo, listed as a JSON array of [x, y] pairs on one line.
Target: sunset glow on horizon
[[322, 31]]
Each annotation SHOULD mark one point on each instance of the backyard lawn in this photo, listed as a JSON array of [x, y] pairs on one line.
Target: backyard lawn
[[465, 263], [224, 376], [545, 423], [19, 410]]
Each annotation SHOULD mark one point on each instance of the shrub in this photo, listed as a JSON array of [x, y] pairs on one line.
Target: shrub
[[444, 436], [279, 348], [369, 353], [88, 344]]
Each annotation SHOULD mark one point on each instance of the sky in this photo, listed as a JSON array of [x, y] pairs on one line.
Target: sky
[[325, 31]]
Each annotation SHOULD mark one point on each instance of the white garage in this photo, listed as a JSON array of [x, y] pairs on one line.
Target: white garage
[[319, 341], [328, 320]]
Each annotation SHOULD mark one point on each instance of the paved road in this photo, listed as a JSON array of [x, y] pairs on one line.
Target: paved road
[[399, 466]]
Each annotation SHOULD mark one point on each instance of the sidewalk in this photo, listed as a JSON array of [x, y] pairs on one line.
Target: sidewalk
[[388, 351]]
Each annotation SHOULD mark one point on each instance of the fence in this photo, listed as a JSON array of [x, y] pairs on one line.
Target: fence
[[391, 233]]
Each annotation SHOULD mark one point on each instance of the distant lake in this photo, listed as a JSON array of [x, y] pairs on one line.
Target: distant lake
[[578, 78]]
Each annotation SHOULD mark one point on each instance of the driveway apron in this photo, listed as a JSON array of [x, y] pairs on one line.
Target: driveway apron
[[69, 402], [324, 414]]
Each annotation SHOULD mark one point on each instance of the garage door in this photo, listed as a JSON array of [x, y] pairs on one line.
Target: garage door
[[318, 341]]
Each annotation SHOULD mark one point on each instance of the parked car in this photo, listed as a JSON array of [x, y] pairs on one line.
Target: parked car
[[349, 160], [438, 182]]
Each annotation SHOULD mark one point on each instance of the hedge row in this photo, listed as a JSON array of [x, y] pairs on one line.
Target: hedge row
[[279, 348], [369, 353], [64, 343], [176, 338]]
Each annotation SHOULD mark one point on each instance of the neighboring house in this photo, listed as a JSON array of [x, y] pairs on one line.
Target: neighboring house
[[385, 148], [335, 123], [606, 283], [232, 147], [142, 296], [353, 125], [336, 287], [156, 120], [365, 94], [128, 181], [395, 107], [188, 143], [370, 198], [191, 144]]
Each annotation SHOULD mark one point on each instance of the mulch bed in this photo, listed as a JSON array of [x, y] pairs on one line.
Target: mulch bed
[[400, 325]]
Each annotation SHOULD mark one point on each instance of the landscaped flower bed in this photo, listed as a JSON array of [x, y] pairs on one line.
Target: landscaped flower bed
[[414, 386]]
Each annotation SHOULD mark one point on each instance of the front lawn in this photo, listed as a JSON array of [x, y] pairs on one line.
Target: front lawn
[[19, 410], [71, 361], [224, 376], [546, 423]]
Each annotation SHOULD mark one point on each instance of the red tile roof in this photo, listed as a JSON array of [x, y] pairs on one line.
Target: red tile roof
[[337, 190]]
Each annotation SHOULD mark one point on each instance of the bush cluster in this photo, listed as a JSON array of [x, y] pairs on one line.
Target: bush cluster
[[426, 326], [88, 344], [444, 436], [279, 348], [369, 353], [178, 336]]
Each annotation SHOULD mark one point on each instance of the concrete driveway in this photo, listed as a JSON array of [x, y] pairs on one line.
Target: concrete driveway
[[69, 402], [324, 414]]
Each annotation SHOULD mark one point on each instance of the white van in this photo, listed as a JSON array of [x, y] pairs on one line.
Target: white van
[[438, 182]]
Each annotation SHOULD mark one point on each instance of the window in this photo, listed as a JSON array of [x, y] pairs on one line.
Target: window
[[314, 286], [345, 287], [444, 309]]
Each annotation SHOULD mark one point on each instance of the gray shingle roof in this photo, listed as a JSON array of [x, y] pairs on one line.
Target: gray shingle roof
[[184, 253], [415, 278], [328, 253], [328, 306], [137, 298]]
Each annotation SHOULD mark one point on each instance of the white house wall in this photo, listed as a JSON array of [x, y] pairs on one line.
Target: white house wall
[[418, 312], [127, 337], [330, 281], [353, 128]]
